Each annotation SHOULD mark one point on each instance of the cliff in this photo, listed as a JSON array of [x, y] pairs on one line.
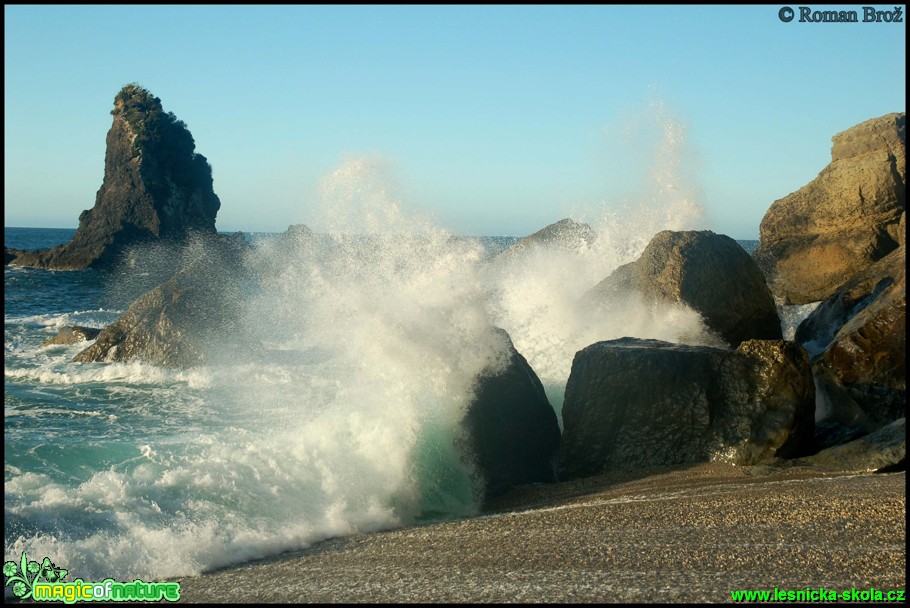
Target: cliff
[[156, 186]]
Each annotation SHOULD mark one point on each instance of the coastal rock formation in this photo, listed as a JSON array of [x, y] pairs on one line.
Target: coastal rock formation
[[817, 238], [180, 322], [565, 235], [710, 273], [72, 334], [633, 404], [858, 340], [511, 427], [156, 186], [883, 450]]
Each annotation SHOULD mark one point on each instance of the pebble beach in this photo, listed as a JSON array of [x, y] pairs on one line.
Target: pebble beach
[[668, 535]]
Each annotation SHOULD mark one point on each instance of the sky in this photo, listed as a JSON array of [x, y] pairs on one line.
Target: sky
[[491, 120]]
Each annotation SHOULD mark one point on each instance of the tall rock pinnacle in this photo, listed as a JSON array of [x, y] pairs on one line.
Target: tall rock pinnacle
[[155, 187]]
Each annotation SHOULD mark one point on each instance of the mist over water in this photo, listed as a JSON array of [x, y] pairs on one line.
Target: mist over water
[[536, 295], [364, 343]]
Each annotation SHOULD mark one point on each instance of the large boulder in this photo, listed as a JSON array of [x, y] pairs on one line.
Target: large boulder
[[633, 404], [180, 322], [566, 235], [156, 187], [858, 339], [711, 273], [511, 427], [817, 238]]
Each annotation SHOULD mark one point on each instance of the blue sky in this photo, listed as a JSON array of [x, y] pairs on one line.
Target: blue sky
[[495, 120]]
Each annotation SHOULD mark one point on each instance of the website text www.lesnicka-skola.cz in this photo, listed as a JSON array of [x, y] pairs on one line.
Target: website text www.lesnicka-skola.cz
[[819, 594]]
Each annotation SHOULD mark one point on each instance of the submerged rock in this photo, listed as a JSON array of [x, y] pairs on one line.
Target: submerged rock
[[72, 334], [156, 187], [632, 404], [710, 273], [511, 427], [817, 238]]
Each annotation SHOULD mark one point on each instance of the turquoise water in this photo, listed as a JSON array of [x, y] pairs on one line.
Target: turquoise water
[[344, 418]]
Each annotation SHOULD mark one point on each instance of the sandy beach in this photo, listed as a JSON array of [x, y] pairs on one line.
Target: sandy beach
[[684, 535]]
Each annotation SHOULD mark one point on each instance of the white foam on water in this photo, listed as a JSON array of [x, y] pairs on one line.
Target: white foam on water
[[537, 293], [348, 421]]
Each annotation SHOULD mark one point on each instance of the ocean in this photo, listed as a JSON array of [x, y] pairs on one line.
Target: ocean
[[344, 420]]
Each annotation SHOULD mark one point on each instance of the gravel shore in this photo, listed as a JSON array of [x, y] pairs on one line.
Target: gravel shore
[[689, 535]]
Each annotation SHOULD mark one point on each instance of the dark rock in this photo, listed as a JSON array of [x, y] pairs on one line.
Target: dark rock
[[156, 187], [822, 235], [881, 451], [181, 322], [710, 273], [72, 335], [632, 404], [10, 254], [511, 427]]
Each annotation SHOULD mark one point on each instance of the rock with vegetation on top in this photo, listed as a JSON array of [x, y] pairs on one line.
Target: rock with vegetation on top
[[156, 187], [825, 233]]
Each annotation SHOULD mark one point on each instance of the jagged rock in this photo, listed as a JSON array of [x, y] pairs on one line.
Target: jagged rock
[[868, 355], [72, 335], [633, 404], [511, 427], [155, 187], [858, 337], [710, 273], [817, 331], [179, 323], [817, 238], [565, 235], [10, 254], [884, 450]]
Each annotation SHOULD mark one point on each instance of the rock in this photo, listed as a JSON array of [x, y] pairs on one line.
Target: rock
[[819, 237], [857, 338], [817, 331], [868, 355], [884, 450], [72, 335], [632, 404], [566, 235], [902, 230], [511, 427], [180, 322], [710, 273], [10, 254], [156, 187]]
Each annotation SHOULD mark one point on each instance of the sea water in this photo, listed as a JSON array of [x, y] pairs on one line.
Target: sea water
[[359, 352]]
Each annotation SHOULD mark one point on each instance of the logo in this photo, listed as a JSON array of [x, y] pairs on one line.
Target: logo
[[44, 582]]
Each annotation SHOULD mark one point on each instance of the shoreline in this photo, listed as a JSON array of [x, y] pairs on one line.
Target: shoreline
[[666, 535]]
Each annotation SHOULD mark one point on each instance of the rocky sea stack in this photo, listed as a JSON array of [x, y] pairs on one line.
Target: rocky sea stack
[[156, 187]]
